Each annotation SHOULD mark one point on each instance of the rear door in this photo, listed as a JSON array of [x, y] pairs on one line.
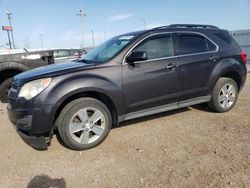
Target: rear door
[[197, 58], [153, 82]]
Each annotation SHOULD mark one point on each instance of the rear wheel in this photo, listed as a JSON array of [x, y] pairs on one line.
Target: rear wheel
[[84, 123], [4, 88], [224, 95]]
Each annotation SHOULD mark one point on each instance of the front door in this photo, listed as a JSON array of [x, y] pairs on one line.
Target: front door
[[154, 82]]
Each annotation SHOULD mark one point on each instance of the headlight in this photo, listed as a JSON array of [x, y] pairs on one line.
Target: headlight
[[33, 88]]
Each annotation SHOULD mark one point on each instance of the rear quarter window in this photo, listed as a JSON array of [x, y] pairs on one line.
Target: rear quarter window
[[226, 37]]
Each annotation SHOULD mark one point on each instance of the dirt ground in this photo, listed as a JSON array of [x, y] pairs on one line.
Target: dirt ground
[[190, 147]]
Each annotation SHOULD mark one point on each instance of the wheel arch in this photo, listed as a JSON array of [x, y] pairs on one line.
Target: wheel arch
[[93, 94], [10, 69], [228, 68], [234, 76]]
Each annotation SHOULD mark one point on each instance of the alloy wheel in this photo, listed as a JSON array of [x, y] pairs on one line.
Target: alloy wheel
[[227, 96], [87, 125]]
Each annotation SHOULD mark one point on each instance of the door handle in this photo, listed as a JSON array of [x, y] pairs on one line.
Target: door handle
[[213, 58], [171, 66]]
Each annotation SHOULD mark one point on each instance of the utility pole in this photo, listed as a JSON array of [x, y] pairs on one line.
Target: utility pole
[[93, 39], [41, 37], [81, 14], [9, 39], [27, 43], [9, 16]]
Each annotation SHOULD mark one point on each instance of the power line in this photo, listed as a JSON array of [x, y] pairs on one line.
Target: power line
[[81, 14]]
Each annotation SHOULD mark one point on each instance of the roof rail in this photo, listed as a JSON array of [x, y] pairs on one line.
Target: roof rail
[[161, 27], [188, 26], [194, 26]]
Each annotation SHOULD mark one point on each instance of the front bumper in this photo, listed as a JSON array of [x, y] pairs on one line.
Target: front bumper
[[38, 143], [34, 125]]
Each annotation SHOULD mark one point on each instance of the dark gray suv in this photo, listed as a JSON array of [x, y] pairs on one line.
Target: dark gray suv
[[129, 76]]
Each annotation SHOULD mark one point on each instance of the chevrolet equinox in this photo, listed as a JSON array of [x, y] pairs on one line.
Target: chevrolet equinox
[[129, 76]]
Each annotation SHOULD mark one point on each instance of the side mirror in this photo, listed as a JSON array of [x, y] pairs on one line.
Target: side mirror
[[84, 51], [136, 56]]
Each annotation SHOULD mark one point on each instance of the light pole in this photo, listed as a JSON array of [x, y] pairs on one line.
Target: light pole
[[105, 35], [41, 37], [27, 43], [9, 16], [81, 14], [144, 22], [93, 39]]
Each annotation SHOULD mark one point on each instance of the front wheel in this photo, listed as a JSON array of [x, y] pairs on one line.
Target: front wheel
[[84, 123], [224, 95]]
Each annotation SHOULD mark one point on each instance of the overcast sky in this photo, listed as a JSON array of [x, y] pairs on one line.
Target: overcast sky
[[56, 20]]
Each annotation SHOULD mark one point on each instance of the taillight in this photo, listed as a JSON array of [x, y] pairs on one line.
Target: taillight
[[244, 57]]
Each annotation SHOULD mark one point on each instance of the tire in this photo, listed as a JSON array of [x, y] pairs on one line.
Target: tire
[[224, 95], [4, 88], [84, 123]]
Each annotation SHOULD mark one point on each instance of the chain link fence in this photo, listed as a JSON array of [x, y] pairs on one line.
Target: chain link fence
[[243, 39]]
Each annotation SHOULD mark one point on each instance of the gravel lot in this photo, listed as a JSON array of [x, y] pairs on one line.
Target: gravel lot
[[190, 147]]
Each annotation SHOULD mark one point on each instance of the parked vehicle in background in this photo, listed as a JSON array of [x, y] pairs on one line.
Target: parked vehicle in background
[[129, 76], [17, 61], [13, 64], [62, 55]]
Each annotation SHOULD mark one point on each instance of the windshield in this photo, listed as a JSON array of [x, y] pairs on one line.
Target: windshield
[[108, 49]]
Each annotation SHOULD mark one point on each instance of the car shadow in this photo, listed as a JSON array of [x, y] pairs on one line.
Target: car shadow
[[203, 107], [46, 182], [151, 117]]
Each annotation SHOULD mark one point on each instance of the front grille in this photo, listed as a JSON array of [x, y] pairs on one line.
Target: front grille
[[12, 103]]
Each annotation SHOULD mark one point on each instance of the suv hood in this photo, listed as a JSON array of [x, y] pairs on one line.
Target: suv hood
[[50, 71]]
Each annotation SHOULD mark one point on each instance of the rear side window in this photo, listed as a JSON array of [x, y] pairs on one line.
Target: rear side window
[[159, 47], [210, 46], [193, 43]]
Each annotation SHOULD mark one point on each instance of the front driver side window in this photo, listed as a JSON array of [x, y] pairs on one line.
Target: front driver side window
[[157, 47]]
